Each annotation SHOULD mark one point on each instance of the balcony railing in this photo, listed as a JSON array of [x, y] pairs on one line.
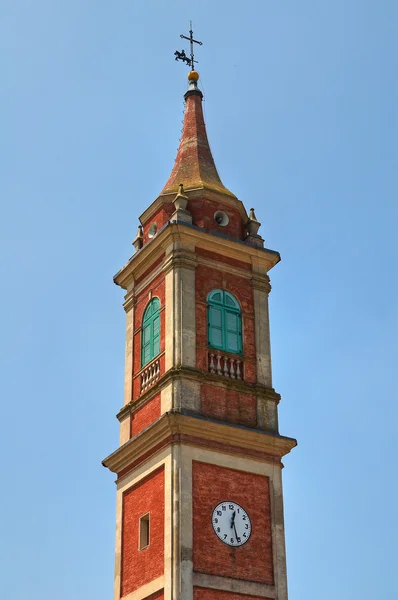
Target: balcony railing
[[225, 365], [150, 375]]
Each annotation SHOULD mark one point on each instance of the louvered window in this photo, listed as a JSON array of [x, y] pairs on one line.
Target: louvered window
[[224, 322], [150, 332]]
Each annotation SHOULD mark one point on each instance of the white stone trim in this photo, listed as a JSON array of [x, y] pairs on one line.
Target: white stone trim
[[274, 473], [146, 590], [129, 352], [278, 536], [262, 337], [180, 329], [131, 479], [237, 586]]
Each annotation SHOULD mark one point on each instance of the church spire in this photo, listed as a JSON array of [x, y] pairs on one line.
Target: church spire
[[194, 166]]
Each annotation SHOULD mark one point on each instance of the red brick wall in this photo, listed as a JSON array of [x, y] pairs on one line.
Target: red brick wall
[[253, 561], [142, 566], [208, 594], [160, 218], [223, 259], [202, 211], [157, 287], [145, 415], [228, 405], [208, 279], [153, 266]]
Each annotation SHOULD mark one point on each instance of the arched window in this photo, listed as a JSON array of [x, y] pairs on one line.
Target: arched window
[[150, 344], [224, 322]]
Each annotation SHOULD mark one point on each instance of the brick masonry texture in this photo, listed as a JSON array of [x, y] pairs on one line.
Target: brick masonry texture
[[208, 594], [160, 218], [208, 279], [156, 288], [153, 266], [228, 405], [202, 211], [194, 165], [253, 561], [223, 259], [142, 566], [145, 415]]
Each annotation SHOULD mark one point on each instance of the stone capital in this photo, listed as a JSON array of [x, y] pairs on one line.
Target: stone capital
[[129, 301], [180, 259], [261, 282]]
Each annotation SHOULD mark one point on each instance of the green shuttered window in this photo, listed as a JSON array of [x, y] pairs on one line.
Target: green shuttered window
[[224, 322], [150, 332]]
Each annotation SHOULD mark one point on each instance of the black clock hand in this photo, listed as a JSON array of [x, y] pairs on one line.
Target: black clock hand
[[233, 519], [236, 535]]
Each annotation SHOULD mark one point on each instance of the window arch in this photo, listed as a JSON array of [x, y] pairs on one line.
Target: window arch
[[224, 322], [150, 340]]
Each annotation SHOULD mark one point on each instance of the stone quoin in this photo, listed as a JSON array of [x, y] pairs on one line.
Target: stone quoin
[[199, 511]]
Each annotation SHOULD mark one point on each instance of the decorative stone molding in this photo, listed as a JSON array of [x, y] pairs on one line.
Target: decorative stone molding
[[261, 282], [189, 235], [175, 427], [180, 259], [129, 301]]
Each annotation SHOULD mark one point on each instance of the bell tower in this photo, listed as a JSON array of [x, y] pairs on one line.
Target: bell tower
[[199, 488]]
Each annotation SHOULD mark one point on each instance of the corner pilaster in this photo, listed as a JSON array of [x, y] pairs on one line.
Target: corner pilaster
[[180, 334], [278, 535], [261, 289], [128, 306]]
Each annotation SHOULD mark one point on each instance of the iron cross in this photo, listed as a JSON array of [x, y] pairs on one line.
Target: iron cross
[[181, 55]]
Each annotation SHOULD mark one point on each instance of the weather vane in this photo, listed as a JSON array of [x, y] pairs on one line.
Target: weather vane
[[182, 56]]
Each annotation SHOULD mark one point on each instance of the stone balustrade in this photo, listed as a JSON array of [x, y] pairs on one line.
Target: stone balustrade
[[150, 374], [225, 365]]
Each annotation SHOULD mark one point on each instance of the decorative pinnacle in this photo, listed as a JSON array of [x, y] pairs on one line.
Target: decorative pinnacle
[[182, 56], [252, 216], [252, 225], [181, 200], [181, 191], [139, 238]]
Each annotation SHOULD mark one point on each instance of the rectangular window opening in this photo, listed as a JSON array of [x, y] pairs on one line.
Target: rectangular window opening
[[144, 532]]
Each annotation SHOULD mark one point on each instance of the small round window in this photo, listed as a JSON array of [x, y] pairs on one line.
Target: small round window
[[152, 230]]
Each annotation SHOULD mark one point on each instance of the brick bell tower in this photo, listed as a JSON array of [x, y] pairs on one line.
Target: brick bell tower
[[199, 487]]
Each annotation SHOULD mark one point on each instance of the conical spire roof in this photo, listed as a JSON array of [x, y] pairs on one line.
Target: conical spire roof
[[194, 166]]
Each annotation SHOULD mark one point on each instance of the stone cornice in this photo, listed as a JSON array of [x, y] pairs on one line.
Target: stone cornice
[[192, 235], [194, 375], [173, 426]]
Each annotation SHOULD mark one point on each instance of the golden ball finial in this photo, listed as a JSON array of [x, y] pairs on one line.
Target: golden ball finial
[[193, 76]]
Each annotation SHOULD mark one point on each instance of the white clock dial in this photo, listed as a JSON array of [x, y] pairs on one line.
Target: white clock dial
[[231, 523]]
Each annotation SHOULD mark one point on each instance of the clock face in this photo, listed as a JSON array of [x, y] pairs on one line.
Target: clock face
[[231, 523]]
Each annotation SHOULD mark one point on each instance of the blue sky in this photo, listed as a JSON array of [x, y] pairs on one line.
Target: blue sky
[[301, 108]]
